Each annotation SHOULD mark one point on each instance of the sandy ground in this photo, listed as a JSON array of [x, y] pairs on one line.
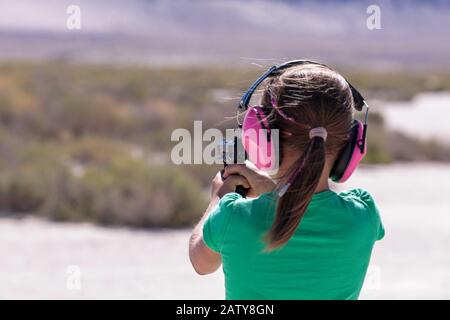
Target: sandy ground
[[40, 259]]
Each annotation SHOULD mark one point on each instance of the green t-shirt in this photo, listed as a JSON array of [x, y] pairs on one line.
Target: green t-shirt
[[326, 258]]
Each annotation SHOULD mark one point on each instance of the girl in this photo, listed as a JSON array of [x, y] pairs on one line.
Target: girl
[[292, 237]]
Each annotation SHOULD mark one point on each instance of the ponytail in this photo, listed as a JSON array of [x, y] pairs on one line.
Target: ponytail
[[296, 194]]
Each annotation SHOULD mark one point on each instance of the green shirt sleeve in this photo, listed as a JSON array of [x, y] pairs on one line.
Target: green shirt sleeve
[[216, 225], [374, 212]]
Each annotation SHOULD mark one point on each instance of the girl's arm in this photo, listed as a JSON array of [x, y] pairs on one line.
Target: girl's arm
[[203, 259]]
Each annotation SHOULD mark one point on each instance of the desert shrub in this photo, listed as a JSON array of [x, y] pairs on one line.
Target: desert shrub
[[404, 85], [132, 193], [127, 192], [98, 114], [434, 150], [22, 191], [99, 180], [406, 148], [26, 176]]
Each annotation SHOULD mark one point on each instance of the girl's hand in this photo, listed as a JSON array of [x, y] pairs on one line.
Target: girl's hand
[[259, 181], [220, 187]]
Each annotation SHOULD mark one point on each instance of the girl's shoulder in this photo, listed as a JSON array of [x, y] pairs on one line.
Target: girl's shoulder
[[246, 209], [232, 209], [359, 197], [235, 200], [363, 202]]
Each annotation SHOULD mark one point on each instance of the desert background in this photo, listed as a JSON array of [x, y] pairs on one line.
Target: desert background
[[91, 206]]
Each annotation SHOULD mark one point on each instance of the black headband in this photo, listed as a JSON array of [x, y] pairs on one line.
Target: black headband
[[245, 100]]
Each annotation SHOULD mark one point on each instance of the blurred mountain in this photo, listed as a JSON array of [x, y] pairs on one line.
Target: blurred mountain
[[414, 34]]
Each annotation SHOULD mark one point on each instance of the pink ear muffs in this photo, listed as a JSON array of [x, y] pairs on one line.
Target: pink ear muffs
[[256, 139], [261, 151], [351, 155]]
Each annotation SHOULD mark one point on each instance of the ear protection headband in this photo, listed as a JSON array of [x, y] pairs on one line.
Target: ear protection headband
[[256, 118]]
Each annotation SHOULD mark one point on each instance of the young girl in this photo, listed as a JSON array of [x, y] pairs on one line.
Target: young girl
[[306, 241]]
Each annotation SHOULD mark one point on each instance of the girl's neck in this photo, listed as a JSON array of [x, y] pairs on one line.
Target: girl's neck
[[323, 184]]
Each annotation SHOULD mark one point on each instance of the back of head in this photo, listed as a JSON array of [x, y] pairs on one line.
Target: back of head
[[309, 96]]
